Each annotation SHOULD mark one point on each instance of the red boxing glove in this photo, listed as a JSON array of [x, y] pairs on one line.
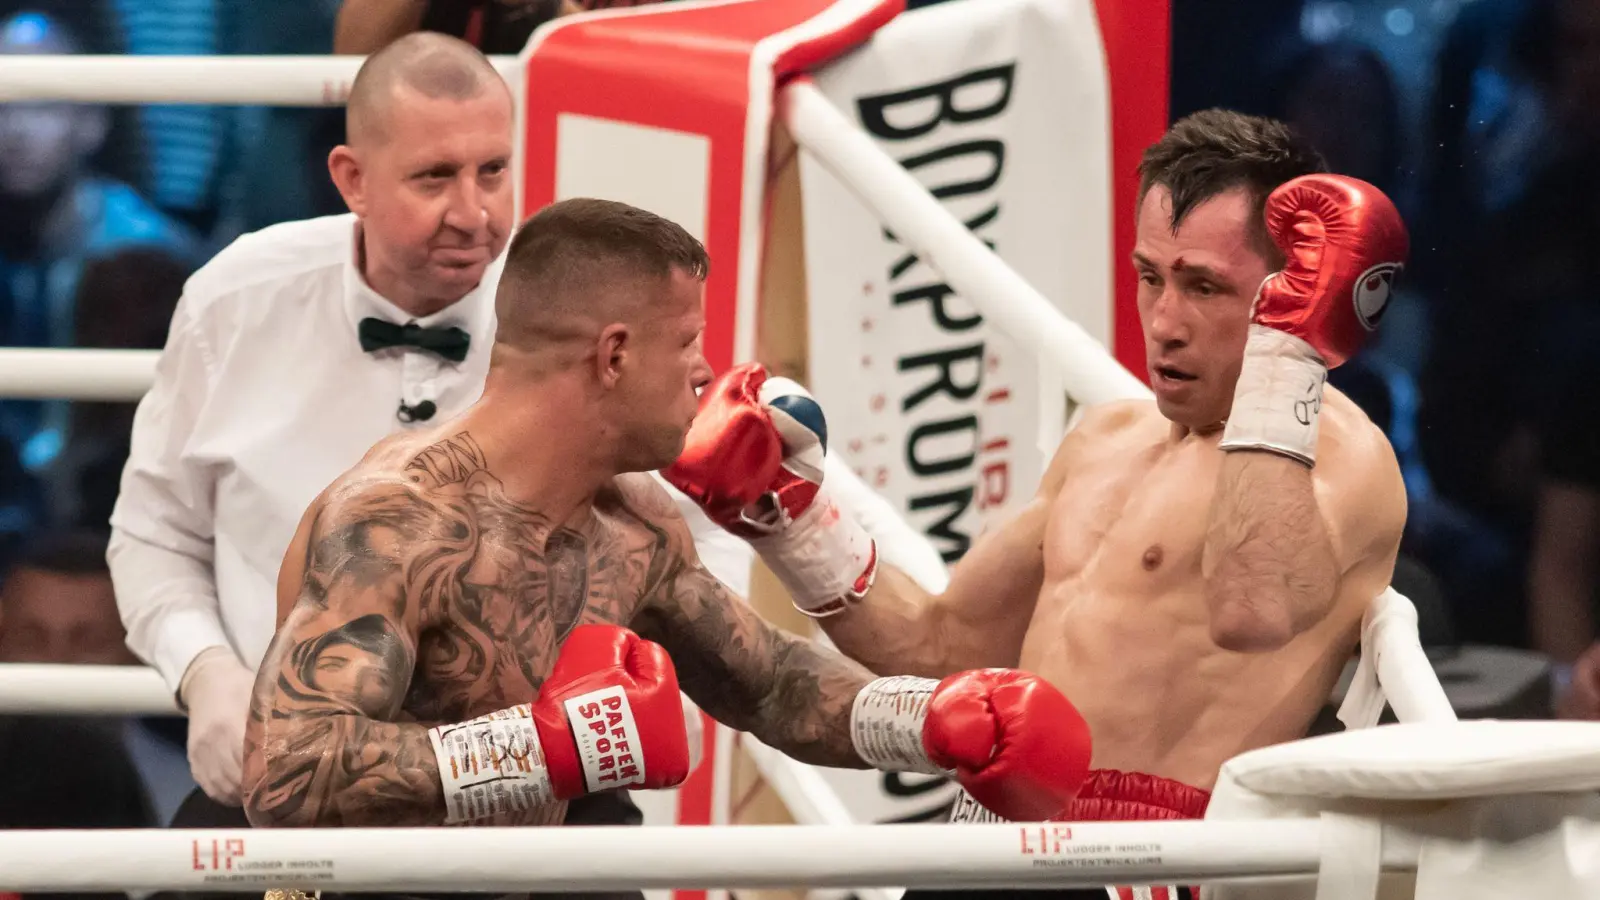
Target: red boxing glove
[[753, 460], [733, 455], [1345, 245], [608, 716], [1018, 745]]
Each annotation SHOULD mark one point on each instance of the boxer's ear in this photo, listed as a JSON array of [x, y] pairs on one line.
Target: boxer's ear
[[346, 173], [613, 353]]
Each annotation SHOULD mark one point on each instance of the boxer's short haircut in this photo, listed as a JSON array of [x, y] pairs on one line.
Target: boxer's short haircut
[[587, 258], [1215, 151]]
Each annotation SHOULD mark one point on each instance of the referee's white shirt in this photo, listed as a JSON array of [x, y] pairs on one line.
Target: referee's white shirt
[[262, 397]]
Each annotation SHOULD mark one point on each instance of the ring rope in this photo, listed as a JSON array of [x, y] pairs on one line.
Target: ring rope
[[619, 857]]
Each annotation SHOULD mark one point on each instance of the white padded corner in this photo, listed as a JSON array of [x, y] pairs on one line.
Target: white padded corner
[[1427, 760], [1497, 809]]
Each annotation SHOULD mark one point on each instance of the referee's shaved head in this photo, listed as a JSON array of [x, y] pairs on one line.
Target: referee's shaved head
[[426, 168], [434, 65]]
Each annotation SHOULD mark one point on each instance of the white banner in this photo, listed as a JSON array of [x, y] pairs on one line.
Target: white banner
[[1000, 108]]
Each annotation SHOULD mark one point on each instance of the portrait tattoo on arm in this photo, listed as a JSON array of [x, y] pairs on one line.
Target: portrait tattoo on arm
[[324, 746]]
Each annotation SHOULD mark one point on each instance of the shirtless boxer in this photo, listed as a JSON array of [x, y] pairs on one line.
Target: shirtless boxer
[[1193, 571], [471, 613]]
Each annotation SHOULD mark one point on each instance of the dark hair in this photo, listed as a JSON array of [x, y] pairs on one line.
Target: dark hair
[[1217, 150], [566, 257], [583, 229], [67, 552], [372, 634]]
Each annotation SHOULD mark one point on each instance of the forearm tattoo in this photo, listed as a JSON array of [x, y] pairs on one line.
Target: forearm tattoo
[[793, 694]]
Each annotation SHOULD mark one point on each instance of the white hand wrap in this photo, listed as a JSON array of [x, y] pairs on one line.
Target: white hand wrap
[[886, 724], [1278, 398], [824, 558], [899, 544], [491, 766]]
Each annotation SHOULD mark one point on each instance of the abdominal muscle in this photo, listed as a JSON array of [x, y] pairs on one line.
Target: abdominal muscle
[[1122, 628], [1158, 695]]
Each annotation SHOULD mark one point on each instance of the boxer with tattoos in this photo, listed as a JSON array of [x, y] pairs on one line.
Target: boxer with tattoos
[[486, 619]]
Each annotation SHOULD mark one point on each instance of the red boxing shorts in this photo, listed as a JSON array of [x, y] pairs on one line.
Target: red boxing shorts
[[1107, 796], [1112, 796]]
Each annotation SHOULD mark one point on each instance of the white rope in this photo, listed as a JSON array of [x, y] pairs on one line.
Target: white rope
[[1413, 690], [616, 858], [1089, 373], [226, 80], [47, 374], [29, 689], [808, 797]]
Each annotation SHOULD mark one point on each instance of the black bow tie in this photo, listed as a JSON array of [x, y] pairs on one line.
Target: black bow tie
[[450, 343]]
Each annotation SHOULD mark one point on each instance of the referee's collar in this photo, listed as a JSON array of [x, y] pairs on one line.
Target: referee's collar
[[473, 313]]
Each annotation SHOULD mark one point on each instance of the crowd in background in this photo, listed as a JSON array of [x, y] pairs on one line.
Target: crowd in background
[[1481, 118]]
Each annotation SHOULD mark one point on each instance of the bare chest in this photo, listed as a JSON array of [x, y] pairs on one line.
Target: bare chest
[[1133, 523], [500, 610]]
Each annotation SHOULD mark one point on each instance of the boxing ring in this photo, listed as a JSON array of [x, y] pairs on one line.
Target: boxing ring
[[1336, 818]]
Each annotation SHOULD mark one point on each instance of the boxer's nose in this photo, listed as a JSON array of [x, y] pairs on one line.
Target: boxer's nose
[[1165, 324]]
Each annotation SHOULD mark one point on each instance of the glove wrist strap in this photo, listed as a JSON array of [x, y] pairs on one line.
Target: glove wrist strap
[[1278, 399], [824, 558], [493, 767], [886, 724]]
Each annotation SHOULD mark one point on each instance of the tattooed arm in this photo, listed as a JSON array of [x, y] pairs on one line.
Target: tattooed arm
[[323, 745], [793, 694]]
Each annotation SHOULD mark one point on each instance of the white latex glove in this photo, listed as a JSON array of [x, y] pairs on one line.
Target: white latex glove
[[899, 544], [694, 724], [216, 691]]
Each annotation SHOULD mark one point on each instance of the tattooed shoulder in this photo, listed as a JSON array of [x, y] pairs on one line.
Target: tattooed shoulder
[[368, 528], [450, 461], [645, 499], [378, 498]]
